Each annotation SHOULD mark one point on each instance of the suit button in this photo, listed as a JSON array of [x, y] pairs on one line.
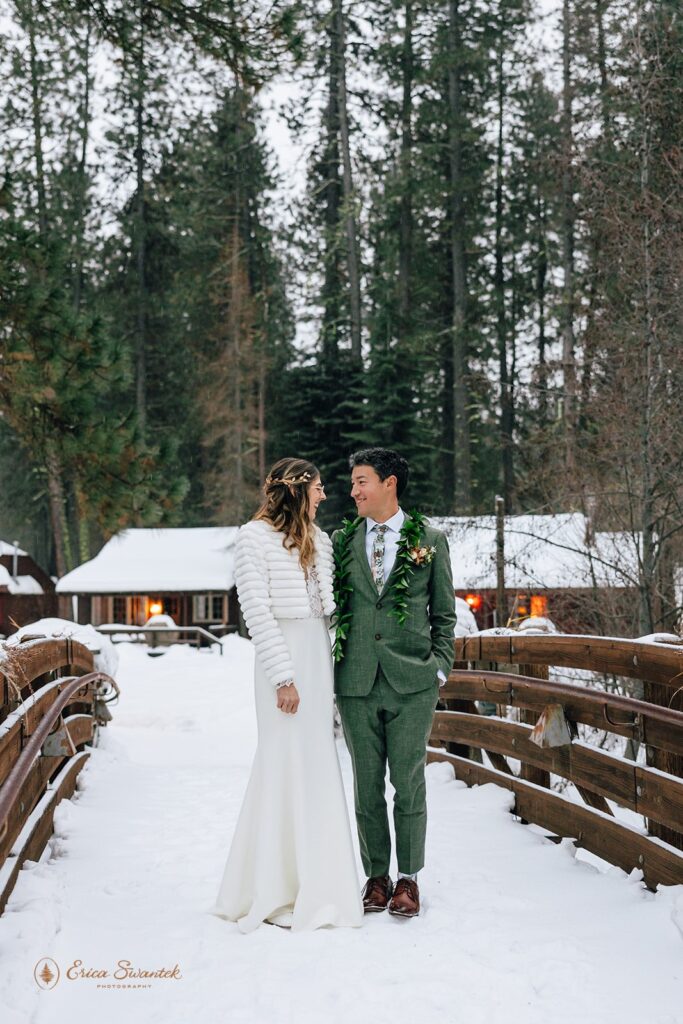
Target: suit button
[[379, 604], [378, 636]]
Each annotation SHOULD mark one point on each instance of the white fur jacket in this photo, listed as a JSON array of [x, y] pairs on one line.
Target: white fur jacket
[[271, 585]]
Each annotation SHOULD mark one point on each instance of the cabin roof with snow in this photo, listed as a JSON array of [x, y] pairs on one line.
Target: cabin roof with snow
[[18, 584], [25, 583], [168, 560], [9, 549], [542, 552]]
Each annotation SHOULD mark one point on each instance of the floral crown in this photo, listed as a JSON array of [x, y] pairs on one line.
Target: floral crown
[[288, 480]]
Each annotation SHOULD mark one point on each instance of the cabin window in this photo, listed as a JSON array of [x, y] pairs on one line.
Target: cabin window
[[539, 605], [119, 610], [208, 607], [137, 615]]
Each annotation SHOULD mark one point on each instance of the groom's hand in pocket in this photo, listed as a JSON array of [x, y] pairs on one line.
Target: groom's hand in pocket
[[288, 699]]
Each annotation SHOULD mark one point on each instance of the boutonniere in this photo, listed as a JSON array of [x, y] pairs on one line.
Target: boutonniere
[[409, 554], [422, 555]]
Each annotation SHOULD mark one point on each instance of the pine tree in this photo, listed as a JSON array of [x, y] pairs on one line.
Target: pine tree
[[50, 351], [632, 457], [222, 314]]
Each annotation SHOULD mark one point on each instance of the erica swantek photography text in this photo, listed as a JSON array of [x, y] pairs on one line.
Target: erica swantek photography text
[[124, 971]]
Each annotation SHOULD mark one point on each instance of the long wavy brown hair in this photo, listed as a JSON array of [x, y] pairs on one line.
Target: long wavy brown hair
[[285, 506]]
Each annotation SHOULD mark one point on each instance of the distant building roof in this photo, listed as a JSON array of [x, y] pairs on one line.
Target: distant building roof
[[158, 560], [541, 552], [8, 549], [19, 584]]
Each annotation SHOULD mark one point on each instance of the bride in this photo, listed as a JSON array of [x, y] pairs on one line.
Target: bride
[[291, 861]]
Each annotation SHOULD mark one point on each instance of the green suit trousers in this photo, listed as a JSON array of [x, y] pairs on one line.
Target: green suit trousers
[[387, 728]]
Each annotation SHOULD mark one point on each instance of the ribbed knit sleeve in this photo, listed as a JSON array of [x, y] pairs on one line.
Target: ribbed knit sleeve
[[325, 561], [251, 578]]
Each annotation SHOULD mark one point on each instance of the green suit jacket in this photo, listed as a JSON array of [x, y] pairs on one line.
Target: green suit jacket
[[412, 654]]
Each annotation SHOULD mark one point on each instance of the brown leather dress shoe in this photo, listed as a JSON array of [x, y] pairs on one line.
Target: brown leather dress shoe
[[376, 894], [406, 899]]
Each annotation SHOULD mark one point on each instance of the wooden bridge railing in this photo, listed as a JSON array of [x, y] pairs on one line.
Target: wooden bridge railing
[[52, 703], [654, 789]]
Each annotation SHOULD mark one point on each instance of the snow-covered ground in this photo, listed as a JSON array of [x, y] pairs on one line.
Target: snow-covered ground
[[514, 929]]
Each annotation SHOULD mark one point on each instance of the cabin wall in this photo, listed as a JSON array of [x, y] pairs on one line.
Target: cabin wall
[[603, 612], [208, 610], [20, 609]]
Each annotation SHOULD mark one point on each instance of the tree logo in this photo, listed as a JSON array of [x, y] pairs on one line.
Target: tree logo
[[46, 972]]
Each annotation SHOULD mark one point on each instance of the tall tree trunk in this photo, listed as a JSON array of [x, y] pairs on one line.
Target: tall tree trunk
[[462, 498], [53, 467], [352, 255], [82, 521], [590, 339], [506, 397], [446, 460], [140, 230], [332, 186], [513, 319], [262, 385], [55, 492], [406, 214], [540, 288], [647, 512], [235, 321], [649, 111], [259, 293], [37, 118], [602, 151], [602, 68], [567, 232], [79, 227]]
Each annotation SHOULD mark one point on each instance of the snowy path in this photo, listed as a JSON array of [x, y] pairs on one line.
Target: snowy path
[[514, 928]]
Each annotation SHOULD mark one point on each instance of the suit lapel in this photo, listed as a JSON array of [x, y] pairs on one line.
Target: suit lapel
[[360, 553], [388, 579], [393, 568]]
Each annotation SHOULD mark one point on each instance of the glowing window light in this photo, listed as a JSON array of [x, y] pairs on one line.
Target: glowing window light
[[474, 601], [155, 607]]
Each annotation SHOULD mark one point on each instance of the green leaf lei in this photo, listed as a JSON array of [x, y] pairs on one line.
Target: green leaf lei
[[342, 590], [409, 538]]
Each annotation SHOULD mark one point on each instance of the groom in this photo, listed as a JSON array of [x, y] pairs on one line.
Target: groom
[[395, 622]]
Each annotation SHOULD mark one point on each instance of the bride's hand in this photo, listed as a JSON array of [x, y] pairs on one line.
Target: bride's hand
[[288, 699]]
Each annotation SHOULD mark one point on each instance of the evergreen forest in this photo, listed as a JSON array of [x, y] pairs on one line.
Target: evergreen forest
[[479, 262]]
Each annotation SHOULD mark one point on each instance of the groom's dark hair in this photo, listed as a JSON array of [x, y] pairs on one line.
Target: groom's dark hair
[[385, 462]]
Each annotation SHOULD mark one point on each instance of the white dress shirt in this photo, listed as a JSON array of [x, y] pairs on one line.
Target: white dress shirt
[[391, 539]]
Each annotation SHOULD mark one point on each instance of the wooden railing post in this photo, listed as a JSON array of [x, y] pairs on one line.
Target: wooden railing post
[[664, 760], [460, 749], [528, 772]]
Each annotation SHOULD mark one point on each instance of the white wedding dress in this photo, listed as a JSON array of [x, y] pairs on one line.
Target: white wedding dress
[[291, 861]]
